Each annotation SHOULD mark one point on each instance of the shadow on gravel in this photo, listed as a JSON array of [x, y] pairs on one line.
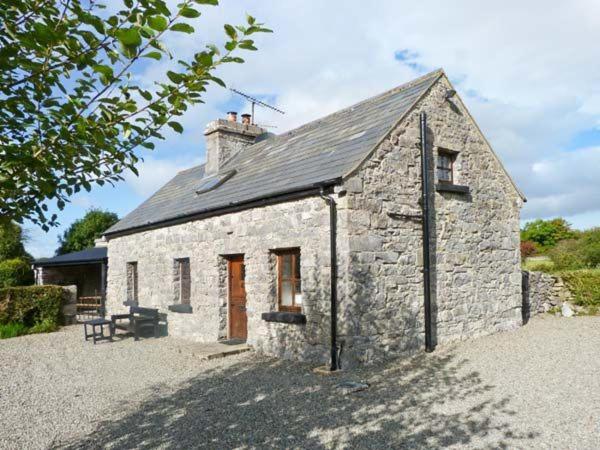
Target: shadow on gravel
[[431, 401]]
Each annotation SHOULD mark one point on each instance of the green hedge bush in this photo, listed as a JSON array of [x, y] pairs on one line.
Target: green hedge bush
[[580, 253], [15, 272], [584, 285], [39, 308]]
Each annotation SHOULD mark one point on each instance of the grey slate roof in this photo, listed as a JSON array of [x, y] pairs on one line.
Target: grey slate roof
[[87, 256], [321, 150]]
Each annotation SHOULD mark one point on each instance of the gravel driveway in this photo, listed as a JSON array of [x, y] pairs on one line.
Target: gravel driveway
[[538, 387]]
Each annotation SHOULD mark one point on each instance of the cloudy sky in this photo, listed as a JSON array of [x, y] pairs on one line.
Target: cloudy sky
[[528, 70]]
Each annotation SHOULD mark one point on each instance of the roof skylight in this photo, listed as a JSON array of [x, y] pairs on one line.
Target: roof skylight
[[214, 181]]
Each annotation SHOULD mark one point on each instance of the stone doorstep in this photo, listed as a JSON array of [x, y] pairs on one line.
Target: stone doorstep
[[229, 352], [215, 350]]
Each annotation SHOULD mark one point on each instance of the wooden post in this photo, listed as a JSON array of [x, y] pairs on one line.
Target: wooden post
[[103, 289]]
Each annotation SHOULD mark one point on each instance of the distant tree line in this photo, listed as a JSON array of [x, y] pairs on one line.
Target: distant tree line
[[83, 232], [567, 248]]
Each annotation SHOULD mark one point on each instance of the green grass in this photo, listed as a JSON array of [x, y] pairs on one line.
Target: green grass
[[46, 326], [13, 329], [538, 265]]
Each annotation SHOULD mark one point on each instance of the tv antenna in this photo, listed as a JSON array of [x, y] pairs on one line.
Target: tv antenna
[[255, 101]]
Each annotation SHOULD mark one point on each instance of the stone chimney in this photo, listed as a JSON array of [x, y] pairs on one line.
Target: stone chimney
[[225, 138], [100, 242]]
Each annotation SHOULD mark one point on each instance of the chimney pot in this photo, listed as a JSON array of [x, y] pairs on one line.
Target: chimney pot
[[232, 116], [246, 119]]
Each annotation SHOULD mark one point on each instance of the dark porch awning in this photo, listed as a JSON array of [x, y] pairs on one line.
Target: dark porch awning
[[95, 255]]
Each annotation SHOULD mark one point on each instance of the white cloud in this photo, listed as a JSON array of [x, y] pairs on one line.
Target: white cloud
[[153, 173], [83, 201], [39, 243], [566, 184]]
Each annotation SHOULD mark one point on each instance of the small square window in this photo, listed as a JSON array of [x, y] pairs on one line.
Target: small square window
[[289, 280], [445, 166]]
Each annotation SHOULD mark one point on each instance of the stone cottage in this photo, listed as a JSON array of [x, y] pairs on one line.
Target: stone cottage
[[241, 247]]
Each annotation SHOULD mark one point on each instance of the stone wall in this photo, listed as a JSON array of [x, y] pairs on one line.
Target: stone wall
[[476, 273], [69, 309], [253, 233], [541, 292]]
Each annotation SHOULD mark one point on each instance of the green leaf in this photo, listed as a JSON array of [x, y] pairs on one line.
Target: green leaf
[[43, 33], [207, 2], [247, 44], [104, 70], [129, 37], [230, 31], [218, 81], [176, 126], [190, 13], [233, 59], [154, 55], [258, 29], [182, 28], [174, 77], [158, 23]]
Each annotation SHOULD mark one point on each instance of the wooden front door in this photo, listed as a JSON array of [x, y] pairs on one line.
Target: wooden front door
[[238, 320]]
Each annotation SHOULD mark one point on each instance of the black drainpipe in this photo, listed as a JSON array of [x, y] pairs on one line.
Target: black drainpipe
[[333, 252], [429, 347]]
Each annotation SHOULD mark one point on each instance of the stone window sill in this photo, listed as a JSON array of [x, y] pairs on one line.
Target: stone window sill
[[454, 188], [284, 317], [179, 308]]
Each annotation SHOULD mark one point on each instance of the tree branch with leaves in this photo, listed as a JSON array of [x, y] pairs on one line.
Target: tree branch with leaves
[[71, 112]]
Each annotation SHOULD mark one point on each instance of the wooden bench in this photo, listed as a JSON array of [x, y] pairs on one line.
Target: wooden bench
[[138, 319]]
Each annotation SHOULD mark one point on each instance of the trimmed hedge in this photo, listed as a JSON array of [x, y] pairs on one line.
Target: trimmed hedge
[[584, 285], [15, 272], [39, 308]]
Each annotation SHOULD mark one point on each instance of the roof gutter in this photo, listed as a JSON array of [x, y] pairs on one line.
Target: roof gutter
[[276, 197], [70, 263]]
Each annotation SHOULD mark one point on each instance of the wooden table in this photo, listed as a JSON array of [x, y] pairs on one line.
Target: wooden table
[[97, 333]]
